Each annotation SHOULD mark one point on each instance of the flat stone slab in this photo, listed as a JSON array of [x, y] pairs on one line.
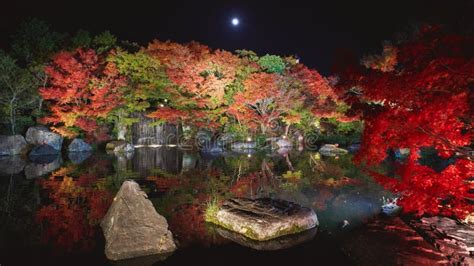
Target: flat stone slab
[[264, 219], [453, 239], [132, 227]]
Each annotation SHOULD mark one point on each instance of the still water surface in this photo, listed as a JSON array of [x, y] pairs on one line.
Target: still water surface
[[51, 209]]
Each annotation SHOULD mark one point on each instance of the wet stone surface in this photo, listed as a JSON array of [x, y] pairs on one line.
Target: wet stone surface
[[264, 218]]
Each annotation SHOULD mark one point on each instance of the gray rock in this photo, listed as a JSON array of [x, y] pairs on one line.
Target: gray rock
[[13, 145], [42, 165], [39, 135], [263, 219], [132, 227], [212, 147], [332, 150], [283, 242], [354, 147], [78, 145], [402, 153], [284, 143], [10, 165], [243, 146], [79, 157], [43, 150], [119, 146]]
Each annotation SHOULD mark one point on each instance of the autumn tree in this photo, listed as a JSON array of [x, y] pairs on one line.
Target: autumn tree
[[82, 91], [414, 95], [200, 75], [147, 85]]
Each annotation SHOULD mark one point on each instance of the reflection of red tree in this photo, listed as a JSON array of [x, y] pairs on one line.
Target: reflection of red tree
[[163, 183], [188, 225], [247, 185], [344, 181], [322, 198], [77, 206]]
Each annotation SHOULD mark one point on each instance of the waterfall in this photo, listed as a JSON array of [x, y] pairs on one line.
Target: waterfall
[[147, 132]]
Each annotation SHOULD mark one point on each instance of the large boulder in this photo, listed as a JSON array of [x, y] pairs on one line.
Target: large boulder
[[78, 145], [263, 219], [10, 165], [13, 145], [132, 227], [332, 150], [119, 146], [40, 135], [243, 146]]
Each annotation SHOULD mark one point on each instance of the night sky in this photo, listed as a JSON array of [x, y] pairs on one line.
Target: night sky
[[313, 30]]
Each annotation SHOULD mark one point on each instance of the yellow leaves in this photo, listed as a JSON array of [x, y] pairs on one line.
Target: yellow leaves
[[385, 62], [292, 176], [63, 171], [65, 132]]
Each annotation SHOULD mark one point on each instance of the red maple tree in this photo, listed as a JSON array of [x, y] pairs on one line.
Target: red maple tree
[[419, 94], [82, 89]]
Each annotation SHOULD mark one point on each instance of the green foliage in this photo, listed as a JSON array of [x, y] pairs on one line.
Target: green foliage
[[104, 42], [82, 38], [250, 55], [292, 175], [345, 128], [212, 207], [17, 93], [35, 42], [272, 63]]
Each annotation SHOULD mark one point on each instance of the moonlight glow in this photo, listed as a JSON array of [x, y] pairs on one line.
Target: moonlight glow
[[235, 21]]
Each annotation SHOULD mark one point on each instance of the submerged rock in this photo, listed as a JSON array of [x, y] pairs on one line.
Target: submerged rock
[[13, 145], [79, 157], [213, 148], [43, 150], [265, 218], [40, 135], [10, 165], [332, 150], [243, 145], [284, 143], [79, 145], [283, 242], [132, 227], [42, 165], [119, 146]]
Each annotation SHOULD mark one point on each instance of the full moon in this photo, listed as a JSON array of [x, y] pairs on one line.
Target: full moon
[[235, 21]]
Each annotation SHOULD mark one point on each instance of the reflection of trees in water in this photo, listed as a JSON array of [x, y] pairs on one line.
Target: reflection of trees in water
[[168, 159], [19, 199], [75, 199]]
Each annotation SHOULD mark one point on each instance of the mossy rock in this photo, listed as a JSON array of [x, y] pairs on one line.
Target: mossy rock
[[263, 219]]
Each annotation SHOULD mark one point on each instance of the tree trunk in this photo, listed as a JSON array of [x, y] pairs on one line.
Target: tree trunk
[[12, 116]]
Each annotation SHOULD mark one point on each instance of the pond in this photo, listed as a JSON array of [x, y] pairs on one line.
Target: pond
[[51, 209]]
